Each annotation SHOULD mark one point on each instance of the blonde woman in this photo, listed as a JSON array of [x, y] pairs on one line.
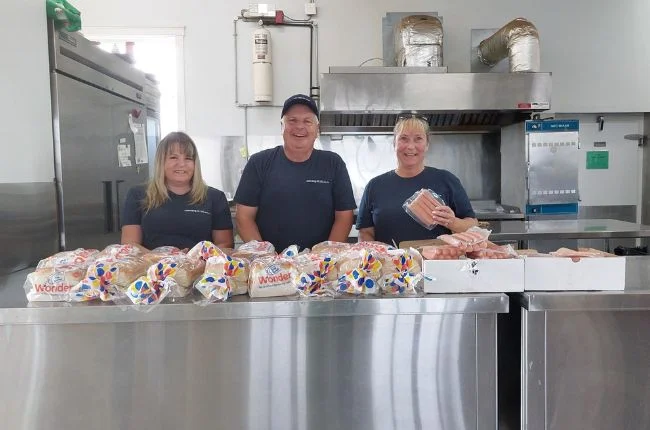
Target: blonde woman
[[381, 216], [176, 207]]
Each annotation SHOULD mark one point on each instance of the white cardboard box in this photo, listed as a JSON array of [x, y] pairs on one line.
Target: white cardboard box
[[473, 276], [585, 274]]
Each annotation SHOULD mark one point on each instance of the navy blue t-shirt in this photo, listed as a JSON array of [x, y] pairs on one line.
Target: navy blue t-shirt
[[381, 204], [177, 222], [295, 201]]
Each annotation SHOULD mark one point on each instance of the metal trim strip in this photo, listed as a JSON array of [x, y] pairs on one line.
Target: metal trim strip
[[243, 307]]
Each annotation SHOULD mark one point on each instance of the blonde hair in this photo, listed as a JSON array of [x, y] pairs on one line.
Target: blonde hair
[[411, 123], [157, 193]]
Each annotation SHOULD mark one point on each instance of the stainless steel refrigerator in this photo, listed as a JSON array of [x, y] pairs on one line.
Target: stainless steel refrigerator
[[100, 146]]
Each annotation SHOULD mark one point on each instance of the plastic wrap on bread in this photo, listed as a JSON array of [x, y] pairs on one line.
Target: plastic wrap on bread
[[107, 276], [235, 270], [402, 272], [52, 284], [359, 272], [272, 276], [78, 257], [118, 251]]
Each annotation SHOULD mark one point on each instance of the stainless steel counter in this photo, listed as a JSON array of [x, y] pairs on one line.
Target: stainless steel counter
[[380, 363], [566, 229], [584, 360]]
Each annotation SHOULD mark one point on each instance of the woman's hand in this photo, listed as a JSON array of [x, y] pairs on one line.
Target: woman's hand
[[444, 216]]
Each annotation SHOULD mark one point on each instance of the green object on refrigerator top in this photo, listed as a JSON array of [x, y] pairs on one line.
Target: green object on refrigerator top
[[63, 14]]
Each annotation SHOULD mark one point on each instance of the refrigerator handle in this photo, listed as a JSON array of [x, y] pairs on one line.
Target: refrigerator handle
[[108, 206], [118, 224]]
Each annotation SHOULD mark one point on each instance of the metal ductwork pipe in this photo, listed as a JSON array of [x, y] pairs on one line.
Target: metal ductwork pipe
[[518, 40], [418, 41]]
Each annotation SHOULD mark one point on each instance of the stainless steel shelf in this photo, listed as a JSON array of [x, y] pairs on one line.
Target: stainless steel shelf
[[566, 229]]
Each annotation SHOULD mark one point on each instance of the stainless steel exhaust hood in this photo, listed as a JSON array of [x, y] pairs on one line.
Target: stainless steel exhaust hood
[[364, 100]]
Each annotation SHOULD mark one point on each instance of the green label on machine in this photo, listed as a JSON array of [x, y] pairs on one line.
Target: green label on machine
[[597, 159]]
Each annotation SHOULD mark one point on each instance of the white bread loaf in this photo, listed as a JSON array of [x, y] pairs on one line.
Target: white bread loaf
[[184, 272], [310, 263], [391, 261], [157, 254], [330, 247], [126, 269], [52, 284], [237, 271], [272, 277], [118, 251], [78, 257]]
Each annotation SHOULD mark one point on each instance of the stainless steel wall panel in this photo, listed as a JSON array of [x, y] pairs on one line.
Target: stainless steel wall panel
[[645, 185], [475, 159], [234, 155], [622, 213], [513, 166], [28, 224]]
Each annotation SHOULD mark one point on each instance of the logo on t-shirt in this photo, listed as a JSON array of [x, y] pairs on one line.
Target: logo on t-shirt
[[198, 211], [317, 181]]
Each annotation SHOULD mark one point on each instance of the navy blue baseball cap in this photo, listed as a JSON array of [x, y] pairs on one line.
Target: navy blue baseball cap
[[299, 99]]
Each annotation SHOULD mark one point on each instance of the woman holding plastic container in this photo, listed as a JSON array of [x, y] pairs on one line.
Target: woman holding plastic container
[[382, 216], [176, 208]]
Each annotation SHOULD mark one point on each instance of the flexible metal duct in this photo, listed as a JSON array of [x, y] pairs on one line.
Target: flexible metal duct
[[418, 41], [518, 40]]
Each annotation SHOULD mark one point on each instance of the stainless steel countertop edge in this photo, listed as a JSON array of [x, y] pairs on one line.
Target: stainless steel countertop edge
[[567, 301], [246, 308], [563, 235]]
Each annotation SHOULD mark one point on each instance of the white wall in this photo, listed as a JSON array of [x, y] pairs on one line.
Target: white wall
[[597, 50], [588, 45], [25, 111], [620, 184]]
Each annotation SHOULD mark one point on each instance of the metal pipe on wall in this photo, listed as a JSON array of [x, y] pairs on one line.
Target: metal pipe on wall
[[234, 35], [315, 89], [519, 41]]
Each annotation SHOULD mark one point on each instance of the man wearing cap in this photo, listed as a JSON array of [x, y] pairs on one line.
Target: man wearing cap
[[295, 194]]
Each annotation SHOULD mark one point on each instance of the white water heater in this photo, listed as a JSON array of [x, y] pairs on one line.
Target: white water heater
[[262, 66]]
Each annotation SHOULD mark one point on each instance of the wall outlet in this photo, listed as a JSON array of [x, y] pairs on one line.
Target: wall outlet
[[310, 9]]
